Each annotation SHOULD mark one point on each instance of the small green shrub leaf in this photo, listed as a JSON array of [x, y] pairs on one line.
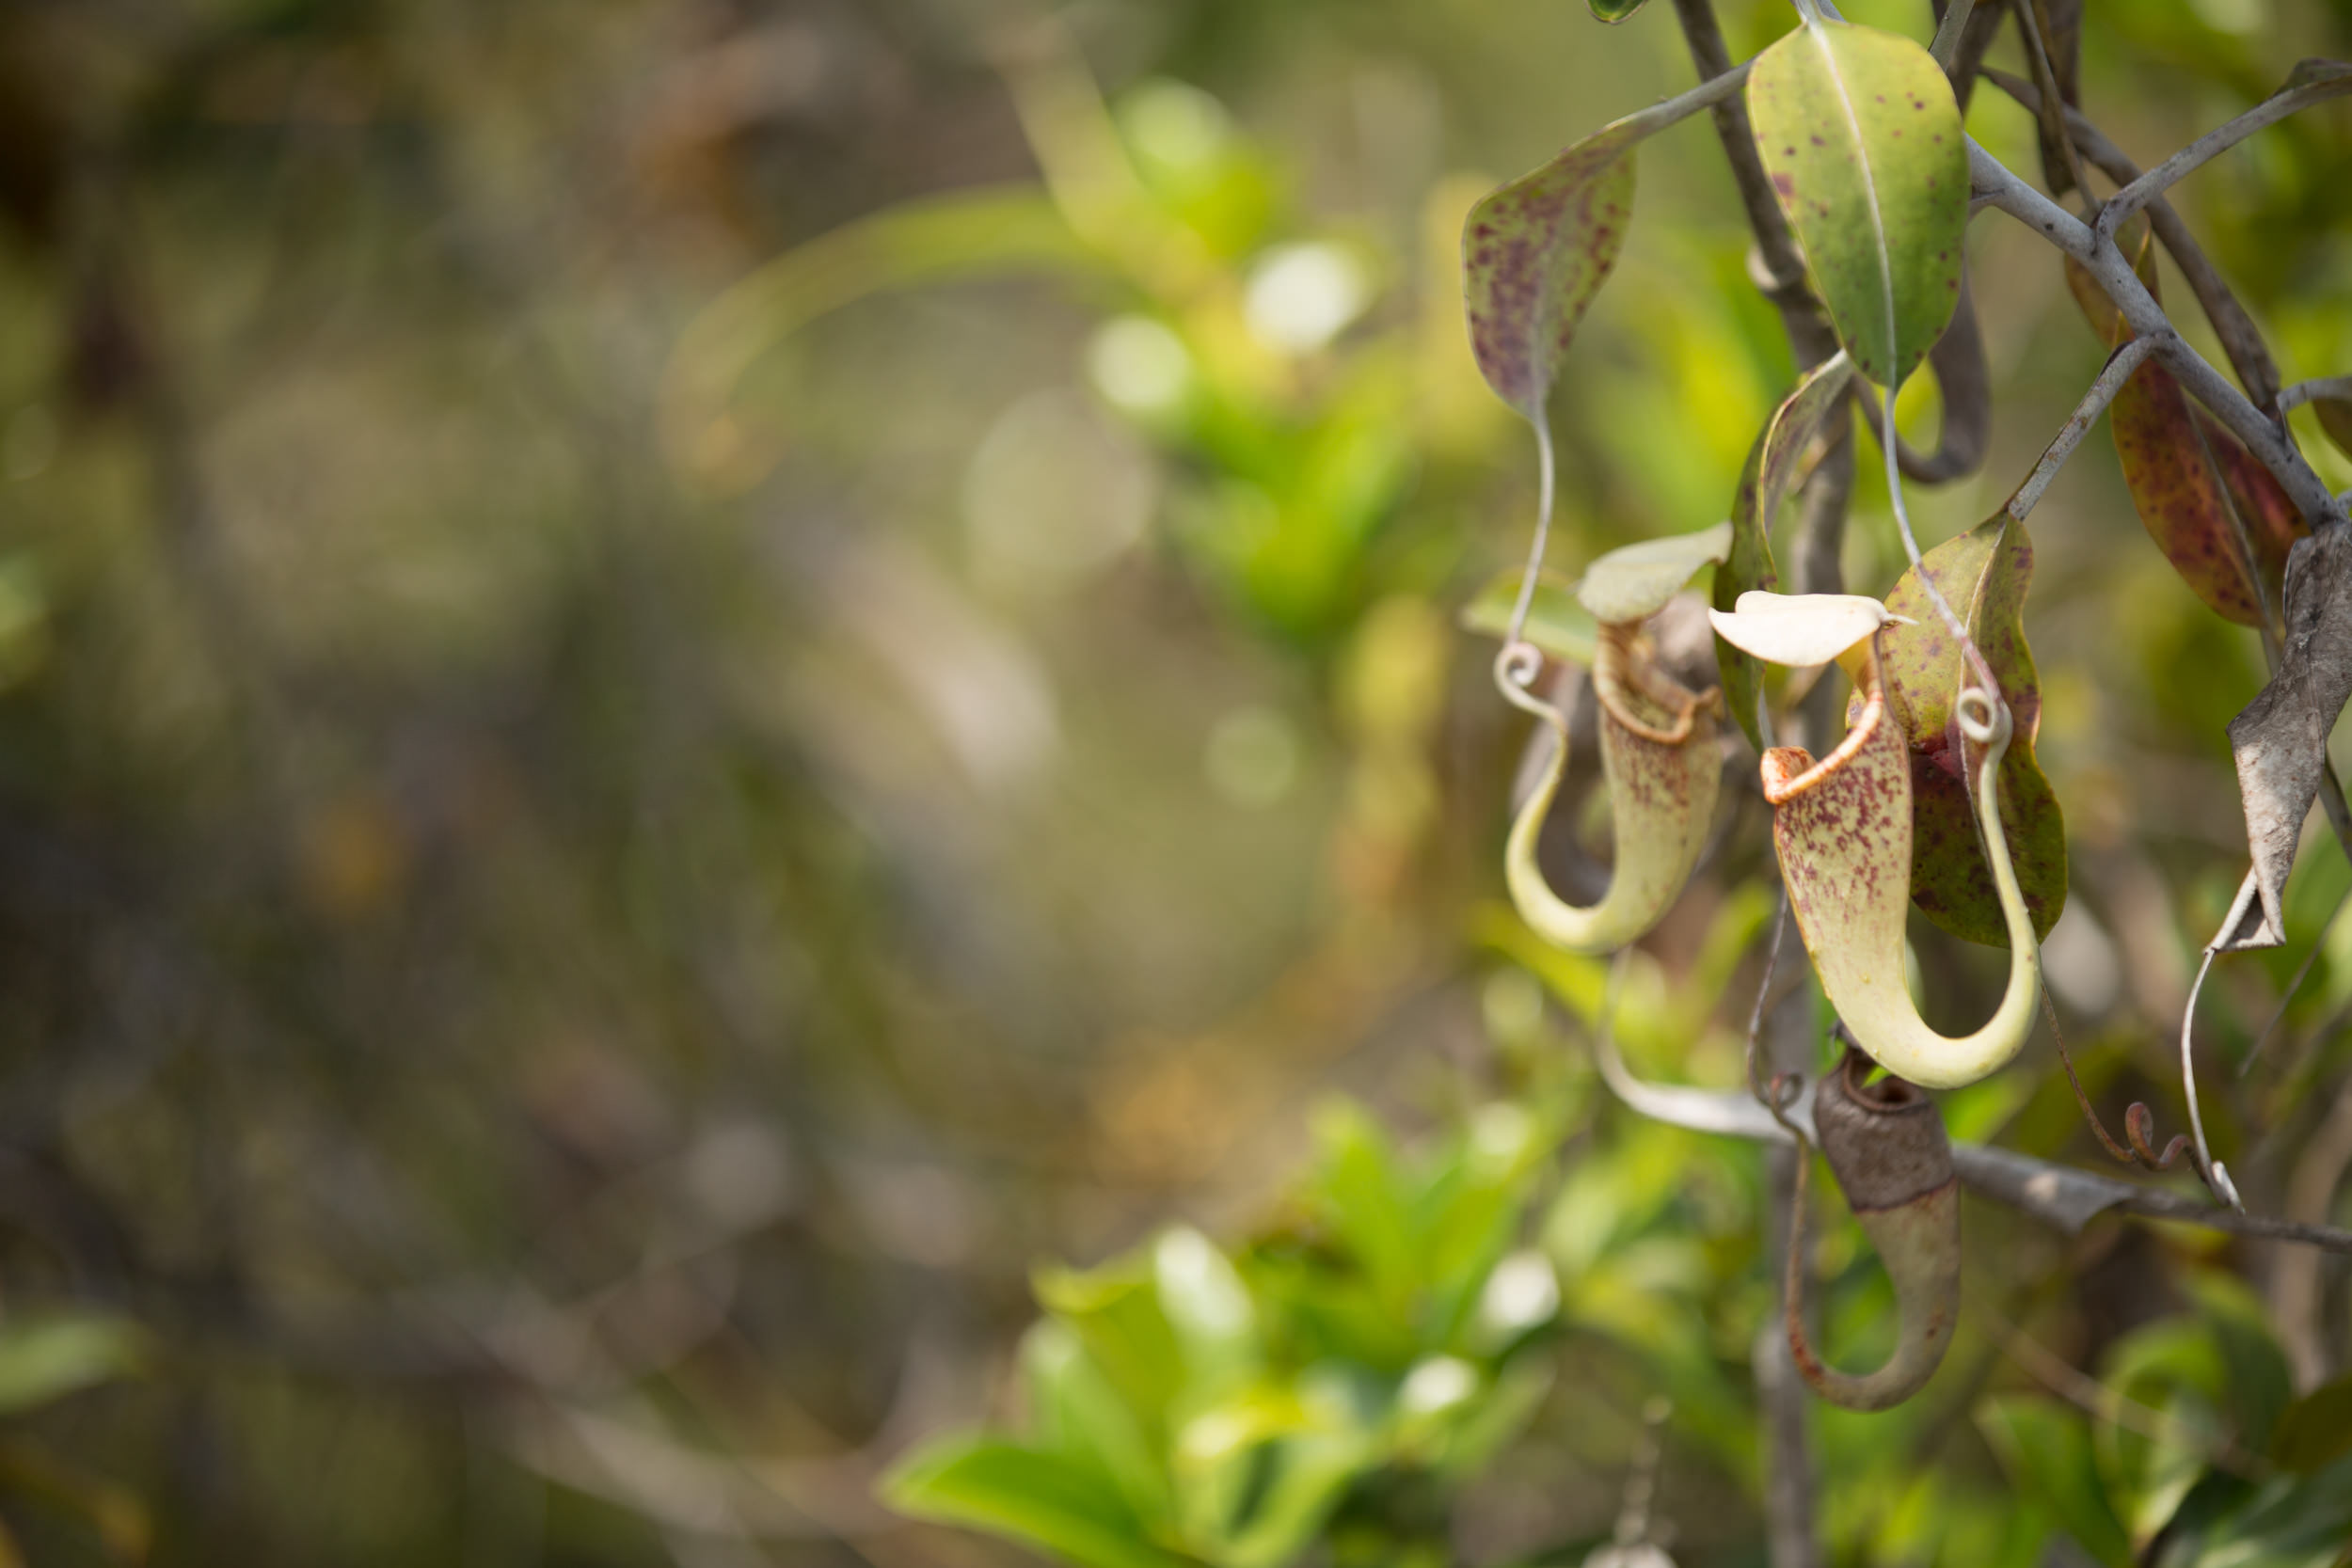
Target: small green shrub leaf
[[1041, 1499], [2316, 1429], [2045, 1449]]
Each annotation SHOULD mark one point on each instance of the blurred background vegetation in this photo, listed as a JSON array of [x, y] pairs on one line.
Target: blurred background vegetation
[[685, 682]]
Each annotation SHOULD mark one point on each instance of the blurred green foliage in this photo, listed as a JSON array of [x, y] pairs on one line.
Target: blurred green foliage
[[1354, 1364]]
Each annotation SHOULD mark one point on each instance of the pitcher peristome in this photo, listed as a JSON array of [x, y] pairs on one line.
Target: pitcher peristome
[[1842, 830]]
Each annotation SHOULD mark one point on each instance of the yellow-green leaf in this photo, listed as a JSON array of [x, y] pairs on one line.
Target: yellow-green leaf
[[1042, 1499], [1634, 581], [1862, 140], [2046, 1449]]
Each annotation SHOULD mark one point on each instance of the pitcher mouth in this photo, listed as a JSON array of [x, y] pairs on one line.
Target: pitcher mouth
[[1789, 771], [1636, 693]]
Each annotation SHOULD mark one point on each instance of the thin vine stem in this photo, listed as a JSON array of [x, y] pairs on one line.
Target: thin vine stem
[[2271, 110], [1546, 482], [2118, 369], [2305, 391]]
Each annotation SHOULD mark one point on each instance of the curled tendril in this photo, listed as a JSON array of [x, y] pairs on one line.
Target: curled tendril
[[1516, 665], [2139, 1145]]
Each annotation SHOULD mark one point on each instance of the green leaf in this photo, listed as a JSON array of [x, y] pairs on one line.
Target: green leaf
[[1259, 1472], [2316, 1429], [1535, 251], [1042, 1499], [1634, 582], [44, 1359], [1079, 1415], [2045, 1449], [1614, 11], [1983, 575], [1557, 622], [1862, 139], [2257, 1384], [1471, 1211], [1115, 1310], [1364, 1190], [2218, 1378], [1206, 1305], [1803, 419], [2289, 1521]]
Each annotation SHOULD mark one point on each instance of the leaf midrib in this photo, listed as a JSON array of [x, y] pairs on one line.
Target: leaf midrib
[[1818, 31]]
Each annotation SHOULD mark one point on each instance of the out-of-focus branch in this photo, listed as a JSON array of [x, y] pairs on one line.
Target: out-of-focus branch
[[2297, 1292], [1948, 31]]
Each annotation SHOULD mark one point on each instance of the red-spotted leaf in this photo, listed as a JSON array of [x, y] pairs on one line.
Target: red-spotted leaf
[[1788, 438], [1535, 252], [2192, 482], [1860, 136], [1983, 573], [2273, 522], [2174, 464]]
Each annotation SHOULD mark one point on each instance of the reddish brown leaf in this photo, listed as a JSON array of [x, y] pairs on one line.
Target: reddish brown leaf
[[2272, 522], [2184, 503]]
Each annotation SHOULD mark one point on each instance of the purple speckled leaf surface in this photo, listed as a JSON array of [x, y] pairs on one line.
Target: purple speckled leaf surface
[[1535, 252]]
